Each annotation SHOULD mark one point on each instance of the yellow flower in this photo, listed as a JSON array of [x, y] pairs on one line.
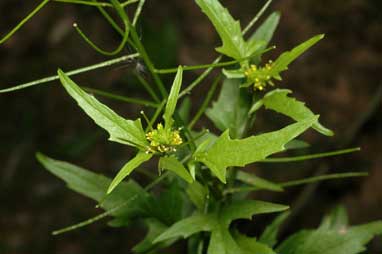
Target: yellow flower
[[163, 140], [260, 77]]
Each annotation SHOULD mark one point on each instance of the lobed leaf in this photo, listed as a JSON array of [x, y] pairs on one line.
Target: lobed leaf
[[279, 101], [227, 152], [331, 241], [121, 130], [228, 29]]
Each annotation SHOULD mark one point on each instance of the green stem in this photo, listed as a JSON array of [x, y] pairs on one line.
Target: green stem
[[138, 11], [256, 18], [300, 182], [124, 18], [150, 66], [310, 156], [199, 79], [156, 114], [22, 22], [147, 87], [83, 2], [71, 73], [120, 97], [205, 103], [197, 67]]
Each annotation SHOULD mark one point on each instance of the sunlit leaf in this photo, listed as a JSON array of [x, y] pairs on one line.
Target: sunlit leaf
[[173, 98], [121, 130], [228, 29], [227, 152], [279, 101]]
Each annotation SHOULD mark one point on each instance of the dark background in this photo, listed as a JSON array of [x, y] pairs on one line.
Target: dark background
[[339, 78]]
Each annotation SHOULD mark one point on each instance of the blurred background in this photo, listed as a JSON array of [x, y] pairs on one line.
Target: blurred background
[[339, 78]]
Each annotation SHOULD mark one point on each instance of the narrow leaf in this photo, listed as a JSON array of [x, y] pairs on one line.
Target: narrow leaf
[[266, 29], [250, 245], [128, 168], [172, 164], [227, 152], [173, 98], [121, 130], [94, 186], [228, 29], [197, 194], [279, 101], [282, 62]]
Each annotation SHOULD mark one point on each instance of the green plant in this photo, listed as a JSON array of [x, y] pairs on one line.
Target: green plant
[[204, 186]]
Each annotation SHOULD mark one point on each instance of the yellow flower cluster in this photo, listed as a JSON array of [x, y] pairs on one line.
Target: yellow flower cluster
[[259, 76], [163, 140]]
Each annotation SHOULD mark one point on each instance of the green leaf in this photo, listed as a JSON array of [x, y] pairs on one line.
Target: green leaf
[[173, 98], [250, 245], [258, 182], [265, 32], [121, 130], [155, 228], [218, 223], [245, 209], [282, 62], [227, 152], [269, 236], [230, 111], [331, 241], [266, 29], [172, 164], [94, 186], [279, 101], [189, 226], [132, 164], [185, 110], [228, 29], [198, 194]]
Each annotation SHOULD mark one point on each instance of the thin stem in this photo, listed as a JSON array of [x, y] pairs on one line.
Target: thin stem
[[70, 73], [205, 103], [83, 2], [22, 22], [142, 51], [322, 178], [112, 210], [138, 11], [121, 98], [313, 179], [197, 67], [199, 79], [256, 18], [156, 114], [96, 4], [124, 18], [310, 156], [147, 87]]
